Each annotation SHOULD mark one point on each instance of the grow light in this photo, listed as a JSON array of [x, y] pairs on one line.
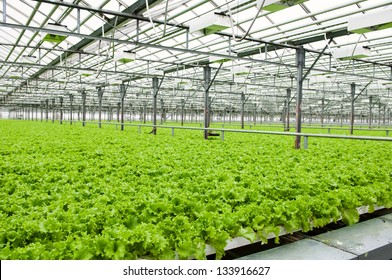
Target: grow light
[[276, 5], [124, 56], [370, 22], [55, 35], [29, 58], [157, 72], [85, 73], [351, 52], [240, 70], [219, 59], [210, 23]]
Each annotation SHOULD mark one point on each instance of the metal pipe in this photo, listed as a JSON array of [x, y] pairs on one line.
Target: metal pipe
[[207, 78], [84, 95], [122, 96], [242, 110], [300, 57], [61, 109], [100, 95], [288, 96], [352, 109], [155, 88]]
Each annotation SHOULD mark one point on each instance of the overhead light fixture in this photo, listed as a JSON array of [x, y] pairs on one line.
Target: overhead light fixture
[[370, 22], [55, 35], [156, 72], [125, 56], [86, 73], [220, 59], [240, 70], [29, 58], [351, 52], [117, 82], [210, 23], [276, 5]]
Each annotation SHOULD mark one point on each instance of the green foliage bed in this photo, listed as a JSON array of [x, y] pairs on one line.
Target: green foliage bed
[[72, 192]]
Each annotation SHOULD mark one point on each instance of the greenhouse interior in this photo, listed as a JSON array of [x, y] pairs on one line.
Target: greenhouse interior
[[200, 129]]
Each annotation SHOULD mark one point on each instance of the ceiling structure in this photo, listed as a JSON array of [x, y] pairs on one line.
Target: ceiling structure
[[51, 49]]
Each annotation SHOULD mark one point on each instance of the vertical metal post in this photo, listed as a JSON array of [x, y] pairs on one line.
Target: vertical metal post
[[53, 109], [61, 109], [207, 80], [211, 115], [352, 108], [42, 110], [379, 113], [370, 111], [182, 111], [322, 111], [122, 96], [341, 114], [118, 111], [110, 114], [242, 110], [162, 111], [130, 112], [84, 95], [300, 57], [47, 109], [71, 108], [288, 109], [384, 115], [255, 114], [144, 112], [100, 95], [155, 99]]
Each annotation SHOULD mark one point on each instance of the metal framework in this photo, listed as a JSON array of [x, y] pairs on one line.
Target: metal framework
[[80, 59]]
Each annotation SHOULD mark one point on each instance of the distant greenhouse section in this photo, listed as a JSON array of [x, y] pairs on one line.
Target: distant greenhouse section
[[287, 62], [186, 129]]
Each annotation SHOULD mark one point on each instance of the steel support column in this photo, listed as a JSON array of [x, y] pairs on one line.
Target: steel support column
[[370, 111], [53, 109], [322, 111], [100, 95], [118, 111], [341, 114], [255, 114], [71, 108], [84, 95], [122, 96], [300, 62], [379, 113], [288, 97], [242, 110], [42, 110], [182, 111], [384, 114], [61, 109], [352, 108], [207, 79], [155, 99], [47, 109], [162, 111]]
